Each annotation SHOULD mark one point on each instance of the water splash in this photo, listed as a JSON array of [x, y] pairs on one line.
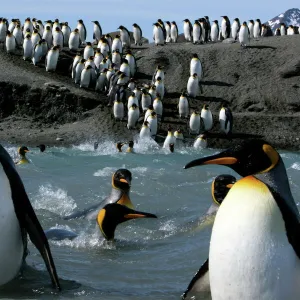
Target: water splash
[[55, 200]]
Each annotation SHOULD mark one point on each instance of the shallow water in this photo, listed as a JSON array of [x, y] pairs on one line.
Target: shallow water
[[151, 258]]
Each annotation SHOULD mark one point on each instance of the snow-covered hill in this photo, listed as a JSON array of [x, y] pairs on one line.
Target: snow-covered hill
[[290, 17]]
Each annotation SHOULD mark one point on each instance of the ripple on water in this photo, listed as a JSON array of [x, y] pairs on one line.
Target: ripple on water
[[53, 199]]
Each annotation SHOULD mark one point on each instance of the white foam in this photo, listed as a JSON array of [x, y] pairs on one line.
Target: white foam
[[107, 171], [55, 200], [296, 166]]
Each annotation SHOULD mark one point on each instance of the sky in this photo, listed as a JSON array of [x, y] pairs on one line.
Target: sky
[[113, 13]]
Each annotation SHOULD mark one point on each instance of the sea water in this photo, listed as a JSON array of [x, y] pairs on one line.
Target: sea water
[[151, 258]]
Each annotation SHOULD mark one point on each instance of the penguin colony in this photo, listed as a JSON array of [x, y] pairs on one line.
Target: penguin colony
[[108, 66]]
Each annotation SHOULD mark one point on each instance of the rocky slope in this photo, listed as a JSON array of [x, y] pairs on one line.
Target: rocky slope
[[260, 83], [289, 17]]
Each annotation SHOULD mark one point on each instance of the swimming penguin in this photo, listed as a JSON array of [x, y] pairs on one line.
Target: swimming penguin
[[10, 42], [214, 33], [194, 123], [244, 35], [193, 86], [52, 59], [130, 147], [219, 190], [145, 130], [158, 34], [200, 142], [170, 139], [207, 118], [42, 147], [96, 145], [82, 31], [27, 48], [257, 29], [235, 28], [197, 32], [97, 31], [225, 27], [120, 194], [133, 116], [124, 36], [119, 146], [108, 218], [22, 152], [196, 66], [188, 30], [171, 147], [74, 40], [183, 106], [226, 119], [18, 220], [251, 28], [137, 34], [261, 236], [174, 32]]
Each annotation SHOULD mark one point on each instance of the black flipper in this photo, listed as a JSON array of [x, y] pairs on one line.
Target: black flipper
[[196, 279], [27, 218]]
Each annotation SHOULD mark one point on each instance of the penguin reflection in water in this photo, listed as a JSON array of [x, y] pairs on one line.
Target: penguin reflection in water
[[113, 210], [255, 243]]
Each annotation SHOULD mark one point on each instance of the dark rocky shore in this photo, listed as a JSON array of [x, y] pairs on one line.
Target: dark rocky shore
[[260, 83]]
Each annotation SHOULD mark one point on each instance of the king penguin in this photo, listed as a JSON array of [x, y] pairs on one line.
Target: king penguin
[[17, 220], [225, 27], [137, 34], [255, 243], [226, 119], [120, 193], [23, 159]]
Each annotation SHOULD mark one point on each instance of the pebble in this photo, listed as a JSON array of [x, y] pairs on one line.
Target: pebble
[[59, 139]]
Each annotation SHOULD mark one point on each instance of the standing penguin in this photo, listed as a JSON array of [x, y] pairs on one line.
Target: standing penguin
[[132, 100], [197, 32], [145, 131], [158, 106], [146, 99], [66, 31], [256, 230], [58, 38], [244, 35], [35, 37], [200, 142], [204, 31], [235, 28], [18, 35], [52, 59], [153, 123], [125, 68], [18, 221], [117, 44], [27, 48], [160, 87], [82, 31], [196, 67], [158, 34], [137, 34], [251, 28], [47, 36], [183, 106], [125, 36], [206, 117], [118, 109], [104, 46], [97, 31], [195, 123], [193, 86], [133, 116], [225, 27], [87, 77], [214, 34], [76, 60], [131, 62], [38, 53], [27, 25], [55, 25], [3, 30], [208, 27], [277, 32], [10, 42], [168, 31], [290, 30], [282, 29], [101, 84], [74, 40], [159, 72], [226, 119], [257, 29], [88, 51], [170, 139], [148, 112], [78, 69], [188, 30], [174, 32]]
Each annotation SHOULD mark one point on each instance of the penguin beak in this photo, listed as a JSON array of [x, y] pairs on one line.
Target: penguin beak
[[218, 159], [229, 185], [124, 180], [137, 215], [26, 151]]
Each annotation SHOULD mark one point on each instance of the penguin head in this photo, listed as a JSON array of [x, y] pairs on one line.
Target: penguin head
[[8, 33], [35, 31], [251, 21], [28, 36], [134, 106], [76, 30], [113, 214], [55, 48], [57, 29], [48, 28], [121, 179], [221, 186], [195, 55], [146, 124], [121, 27], [23, 150], [168, 22], [80, 21], [202, 137], [206, 106], [186, 20], [244, 24], [42, 147], [153, 114], [216, 21], [150, 107], [131, 144], [171, 147], [247, 158], [173, 22], [37, 27], [119, 146], [88, 44], [96, 144], [195, 75]]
